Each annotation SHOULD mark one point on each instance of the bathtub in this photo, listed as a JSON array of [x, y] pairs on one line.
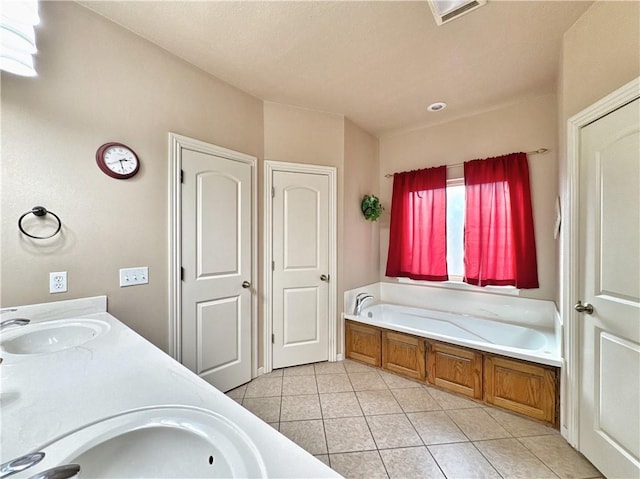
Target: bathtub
[[535, 344]]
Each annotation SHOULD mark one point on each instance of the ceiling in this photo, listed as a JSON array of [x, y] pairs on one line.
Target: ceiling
[[378, 63]]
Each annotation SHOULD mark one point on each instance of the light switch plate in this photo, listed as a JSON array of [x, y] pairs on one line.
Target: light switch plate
[[134, 276]]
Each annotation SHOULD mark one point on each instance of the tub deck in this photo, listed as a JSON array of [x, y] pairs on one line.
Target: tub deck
[[534, 344]]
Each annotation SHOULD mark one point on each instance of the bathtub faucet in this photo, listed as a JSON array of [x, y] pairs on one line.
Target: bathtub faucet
[[360, 300]]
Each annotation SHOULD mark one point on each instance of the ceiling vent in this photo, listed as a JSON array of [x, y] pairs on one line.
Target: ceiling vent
[[446, 10]]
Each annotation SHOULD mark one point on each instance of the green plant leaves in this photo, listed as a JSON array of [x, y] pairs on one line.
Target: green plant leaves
[[371, 207]]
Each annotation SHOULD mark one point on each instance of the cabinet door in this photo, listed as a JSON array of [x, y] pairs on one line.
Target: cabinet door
[[522, 387], [362, 343], [457, 369], [403, 354]]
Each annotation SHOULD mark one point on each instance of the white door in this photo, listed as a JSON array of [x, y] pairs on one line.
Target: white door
[[217, 261], [300, 254], [610, 282]]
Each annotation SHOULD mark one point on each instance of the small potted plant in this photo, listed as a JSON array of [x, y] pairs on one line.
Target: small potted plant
[[371, 207]]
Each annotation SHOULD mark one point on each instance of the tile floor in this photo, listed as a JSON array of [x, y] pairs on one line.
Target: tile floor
[[368, 423]]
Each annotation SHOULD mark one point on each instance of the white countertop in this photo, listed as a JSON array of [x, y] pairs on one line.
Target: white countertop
[[44, 396]]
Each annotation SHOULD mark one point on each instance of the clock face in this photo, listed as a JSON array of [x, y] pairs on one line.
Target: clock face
[[117, 160]]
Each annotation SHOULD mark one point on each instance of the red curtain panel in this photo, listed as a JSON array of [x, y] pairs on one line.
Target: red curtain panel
[[499, 241], [418, 233]]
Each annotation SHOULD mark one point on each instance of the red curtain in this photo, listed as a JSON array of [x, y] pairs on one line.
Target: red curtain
[[418, 234], [499, 241]]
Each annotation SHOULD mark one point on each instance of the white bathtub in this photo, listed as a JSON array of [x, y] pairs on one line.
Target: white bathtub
[[534, 344]]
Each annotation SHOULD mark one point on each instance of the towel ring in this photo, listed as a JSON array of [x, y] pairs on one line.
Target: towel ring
[[39, 211]]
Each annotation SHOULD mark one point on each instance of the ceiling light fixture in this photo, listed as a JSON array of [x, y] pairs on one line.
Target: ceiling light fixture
[[437, 106], [446, 10], [17, 36]]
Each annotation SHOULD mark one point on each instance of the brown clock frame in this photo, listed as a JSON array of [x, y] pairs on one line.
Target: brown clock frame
[[106, 170]]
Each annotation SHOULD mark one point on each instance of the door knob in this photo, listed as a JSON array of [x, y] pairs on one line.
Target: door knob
[[583, 308], [246, 284], [324, 277]]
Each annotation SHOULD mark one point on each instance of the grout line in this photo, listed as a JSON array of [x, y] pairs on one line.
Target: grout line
[[414, 428], [487, 459], [324, 428], [538, 457], [456, 424], [435, 461], [382, 461]]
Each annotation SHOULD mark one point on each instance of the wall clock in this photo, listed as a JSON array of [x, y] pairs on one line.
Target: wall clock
[[117, 160]]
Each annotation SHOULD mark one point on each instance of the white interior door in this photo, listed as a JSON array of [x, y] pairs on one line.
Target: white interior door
[[217, 261], [610, 282], [300, 301]]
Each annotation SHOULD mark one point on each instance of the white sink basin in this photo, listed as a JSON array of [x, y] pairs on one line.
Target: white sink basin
[[51, 336], [158, 442]]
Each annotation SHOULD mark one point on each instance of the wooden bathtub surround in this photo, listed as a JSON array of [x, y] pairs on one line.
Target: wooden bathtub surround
[[526, 388], [364, 343], [455, 369], [403, 354]]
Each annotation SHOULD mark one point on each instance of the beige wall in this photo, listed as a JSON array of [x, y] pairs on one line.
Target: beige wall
[[299, 135], [96, 83], [522, 126], [361, 237], [600, 53]]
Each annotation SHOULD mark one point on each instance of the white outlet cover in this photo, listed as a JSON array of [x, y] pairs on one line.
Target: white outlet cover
[[58, 282]]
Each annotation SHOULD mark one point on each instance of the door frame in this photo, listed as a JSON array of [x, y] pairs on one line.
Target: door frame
[[271, 166], [570, 252], [178, 143]]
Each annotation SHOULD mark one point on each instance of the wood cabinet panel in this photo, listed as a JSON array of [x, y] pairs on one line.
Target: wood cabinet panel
[[455, 369], [403, 354], [363, 343], [521, 387], [526, 388]]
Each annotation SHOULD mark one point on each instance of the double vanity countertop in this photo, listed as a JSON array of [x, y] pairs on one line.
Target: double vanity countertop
[[49, 395]]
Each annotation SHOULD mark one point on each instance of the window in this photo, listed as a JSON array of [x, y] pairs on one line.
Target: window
[[478, 230], [455, 229]]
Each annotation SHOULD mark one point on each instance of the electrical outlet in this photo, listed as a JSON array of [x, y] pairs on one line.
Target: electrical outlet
[[58, 282], [134, 276]]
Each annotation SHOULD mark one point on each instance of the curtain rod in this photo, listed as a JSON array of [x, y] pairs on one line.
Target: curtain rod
[[539, 151]]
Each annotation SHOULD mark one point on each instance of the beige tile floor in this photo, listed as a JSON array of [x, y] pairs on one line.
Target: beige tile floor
[[368, 423]]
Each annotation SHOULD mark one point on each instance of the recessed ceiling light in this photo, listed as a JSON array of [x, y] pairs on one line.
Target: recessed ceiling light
[[437, 106]]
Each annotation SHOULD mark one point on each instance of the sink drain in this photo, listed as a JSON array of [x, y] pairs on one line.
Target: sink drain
[[211, 460]]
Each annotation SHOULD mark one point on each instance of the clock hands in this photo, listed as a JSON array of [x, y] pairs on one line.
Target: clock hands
[[122, 162]]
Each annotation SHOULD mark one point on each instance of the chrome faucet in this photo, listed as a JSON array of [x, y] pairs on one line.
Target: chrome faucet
[[360, 300], [20, 464], [14, 322], [61, 472]]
